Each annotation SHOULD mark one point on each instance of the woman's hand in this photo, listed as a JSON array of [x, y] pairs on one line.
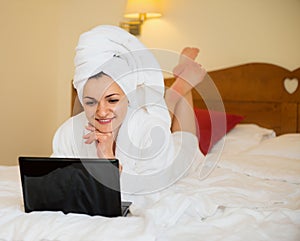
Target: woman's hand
[[104, 141]]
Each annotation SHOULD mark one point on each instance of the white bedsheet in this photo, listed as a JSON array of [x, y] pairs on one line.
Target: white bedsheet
[[240, 200]]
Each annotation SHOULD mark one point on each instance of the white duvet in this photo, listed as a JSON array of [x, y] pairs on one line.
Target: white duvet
[[249, 196]]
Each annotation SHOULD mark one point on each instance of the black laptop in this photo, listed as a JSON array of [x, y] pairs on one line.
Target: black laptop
[[72, 185]]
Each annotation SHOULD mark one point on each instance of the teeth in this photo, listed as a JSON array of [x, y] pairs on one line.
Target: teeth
[[104, 121]]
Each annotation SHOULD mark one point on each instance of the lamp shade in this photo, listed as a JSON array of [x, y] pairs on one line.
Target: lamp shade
[[148, 8]]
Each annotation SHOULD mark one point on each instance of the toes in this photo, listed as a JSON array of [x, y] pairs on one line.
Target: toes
[[190, 52]]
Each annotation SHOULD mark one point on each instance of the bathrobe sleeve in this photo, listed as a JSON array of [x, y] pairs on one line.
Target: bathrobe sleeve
[[153, 158], [67, 141]]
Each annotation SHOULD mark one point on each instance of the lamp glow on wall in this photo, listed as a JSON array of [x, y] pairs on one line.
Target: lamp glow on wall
[[137, 11]]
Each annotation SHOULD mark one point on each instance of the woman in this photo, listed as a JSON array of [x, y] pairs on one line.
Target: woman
[[127, 113]]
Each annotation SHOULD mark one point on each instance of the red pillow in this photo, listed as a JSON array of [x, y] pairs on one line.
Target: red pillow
[[221, 122]]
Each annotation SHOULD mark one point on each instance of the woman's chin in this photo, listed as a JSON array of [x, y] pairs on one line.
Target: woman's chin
[[105, 131]]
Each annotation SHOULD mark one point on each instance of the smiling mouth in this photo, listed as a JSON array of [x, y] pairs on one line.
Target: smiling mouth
[[104, 121]]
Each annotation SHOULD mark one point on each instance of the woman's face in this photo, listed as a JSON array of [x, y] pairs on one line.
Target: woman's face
[[104, 103]]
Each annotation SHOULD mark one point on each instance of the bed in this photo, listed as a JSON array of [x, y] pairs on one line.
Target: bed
[[252, 191]]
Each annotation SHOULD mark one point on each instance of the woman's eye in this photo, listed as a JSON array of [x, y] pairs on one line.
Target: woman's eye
[[91, 103], [112, 101]]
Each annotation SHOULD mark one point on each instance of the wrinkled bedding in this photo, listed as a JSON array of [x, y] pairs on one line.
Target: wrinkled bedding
[[249, 195]]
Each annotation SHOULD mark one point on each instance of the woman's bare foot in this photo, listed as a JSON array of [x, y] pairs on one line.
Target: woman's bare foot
[[188, 73], [187, 55], [188, 52]]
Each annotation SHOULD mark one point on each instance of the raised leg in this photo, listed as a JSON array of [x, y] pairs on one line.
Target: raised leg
[[179, 96]]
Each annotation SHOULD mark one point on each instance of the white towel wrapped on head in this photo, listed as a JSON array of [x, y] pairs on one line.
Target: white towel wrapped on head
[[124, 58]]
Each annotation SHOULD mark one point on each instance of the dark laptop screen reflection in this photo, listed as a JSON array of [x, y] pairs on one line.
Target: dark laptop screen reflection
[[71, 188]]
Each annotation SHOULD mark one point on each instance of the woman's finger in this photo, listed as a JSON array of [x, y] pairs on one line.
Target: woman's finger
[[104, 137], [89, 127], [90, 137], [105, 145]]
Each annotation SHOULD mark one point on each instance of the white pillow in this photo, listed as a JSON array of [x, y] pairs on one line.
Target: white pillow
[[287, 145], [242, 137]]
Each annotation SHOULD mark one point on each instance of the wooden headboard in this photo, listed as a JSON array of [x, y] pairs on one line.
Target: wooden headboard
[[256, 91]]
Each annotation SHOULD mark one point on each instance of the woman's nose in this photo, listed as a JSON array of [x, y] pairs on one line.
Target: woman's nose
[[101, 110]]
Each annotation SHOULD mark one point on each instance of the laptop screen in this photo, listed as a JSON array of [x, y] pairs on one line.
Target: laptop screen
[[71, 185]]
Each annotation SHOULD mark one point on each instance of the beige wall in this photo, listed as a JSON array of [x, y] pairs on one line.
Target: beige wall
[[230, 32], [38, 38], [28, 72]]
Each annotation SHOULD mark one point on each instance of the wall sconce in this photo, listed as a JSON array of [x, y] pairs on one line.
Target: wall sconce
[[137, 11]]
